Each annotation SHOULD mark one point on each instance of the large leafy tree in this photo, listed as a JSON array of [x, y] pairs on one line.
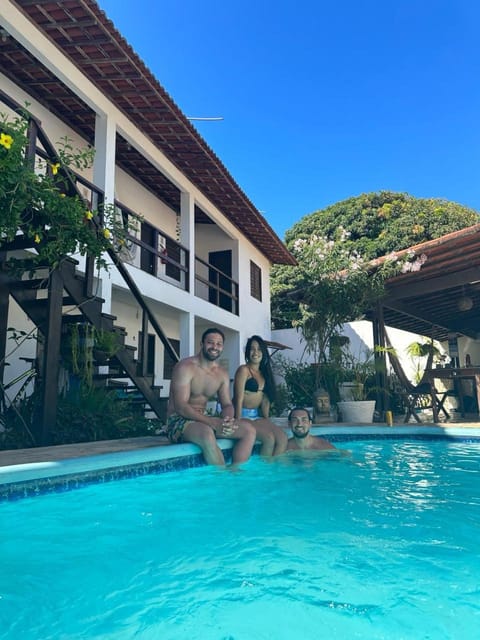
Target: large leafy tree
[[382, 222], [347, 236]]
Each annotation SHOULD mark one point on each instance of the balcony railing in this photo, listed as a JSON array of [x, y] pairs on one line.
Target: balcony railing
[[215, 286], [155, 252], [163, 257]]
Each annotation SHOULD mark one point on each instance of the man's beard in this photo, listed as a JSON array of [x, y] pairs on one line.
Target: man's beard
[[209, 356], [301, 436]]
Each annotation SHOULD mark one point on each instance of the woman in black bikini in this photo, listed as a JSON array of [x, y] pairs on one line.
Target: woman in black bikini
[[254, 391]]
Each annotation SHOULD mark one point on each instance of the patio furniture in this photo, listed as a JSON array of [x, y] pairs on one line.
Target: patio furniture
[[424, 396], [457, 375]]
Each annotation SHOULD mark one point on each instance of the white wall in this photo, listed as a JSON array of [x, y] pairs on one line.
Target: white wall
[[254, 315], [27, 349], [361, 337], [133, 195], [470, 346]]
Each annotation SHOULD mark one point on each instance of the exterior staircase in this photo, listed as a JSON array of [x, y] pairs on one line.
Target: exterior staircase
[[53, 297], [124, 370]]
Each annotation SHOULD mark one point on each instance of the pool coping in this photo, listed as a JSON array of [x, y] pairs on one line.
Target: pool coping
[[46, 476]]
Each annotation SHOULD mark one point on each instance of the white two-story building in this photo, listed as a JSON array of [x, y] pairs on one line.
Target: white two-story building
[[203, 253]]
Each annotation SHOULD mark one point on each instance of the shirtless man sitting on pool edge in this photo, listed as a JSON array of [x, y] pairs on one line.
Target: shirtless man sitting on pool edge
[[194, 381]]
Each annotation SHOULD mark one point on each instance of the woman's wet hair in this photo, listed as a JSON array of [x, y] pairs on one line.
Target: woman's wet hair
[[270, 389], [261, 344]]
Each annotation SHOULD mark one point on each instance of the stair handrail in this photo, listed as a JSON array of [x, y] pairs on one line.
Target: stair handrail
[[117, 261]]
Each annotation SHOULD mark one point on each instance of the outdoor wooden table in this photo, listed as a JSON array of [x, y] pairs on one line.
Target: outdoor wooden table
[[456, 375]]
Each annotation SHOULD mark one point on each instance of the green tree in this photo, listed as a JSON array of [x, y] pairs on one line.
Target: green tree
[[331, 285], [372, 225]]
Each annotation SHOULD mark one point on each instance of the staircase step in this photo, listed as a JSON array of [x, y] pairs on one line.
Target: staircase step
[[35, 283], [70, 318], [130, 388], [120, 330], [108, 316], [20, 243], [110, 376]]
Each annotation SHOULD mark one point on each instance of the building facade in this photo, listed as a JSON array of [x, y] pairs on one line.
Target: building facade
[[202, 254]]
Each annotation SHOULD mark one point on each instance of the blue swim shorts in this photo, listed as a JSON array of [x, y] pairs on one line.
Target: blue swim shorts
[[251, 414]]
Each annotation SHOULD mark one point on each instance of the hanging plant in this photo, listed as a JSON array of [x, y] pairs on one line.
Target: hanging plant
[[105, 345], [77, 351], [74, 345], [87, 353]]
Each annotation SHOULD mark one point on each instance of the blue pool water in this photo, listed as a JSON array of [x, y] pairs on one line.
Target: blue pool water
[[380, 544]]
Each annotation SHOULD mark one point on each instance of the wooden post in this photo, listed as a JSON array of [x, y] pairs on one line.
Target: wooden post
[[383, 399], [143, 355], [4, 302], [51, 357]]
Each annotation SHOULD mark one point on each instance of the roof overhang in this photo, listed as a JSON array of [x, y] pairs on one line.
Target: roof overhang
[[83, 33]]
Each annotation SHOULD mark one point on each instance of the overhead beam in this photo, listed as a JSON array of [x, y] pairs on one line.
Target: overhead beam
[[431, 285], [405, 309]]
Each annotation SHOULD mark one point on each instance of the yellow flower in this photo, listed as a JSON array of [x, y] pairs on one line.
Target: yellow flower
[[55, 167], [37, 238], [106, 233], [88, 215], [6, 140], [417, 229]]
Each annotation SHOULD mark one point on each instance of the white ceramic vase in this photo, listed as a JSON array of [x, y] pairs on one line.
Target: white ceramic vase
[[357, 411]]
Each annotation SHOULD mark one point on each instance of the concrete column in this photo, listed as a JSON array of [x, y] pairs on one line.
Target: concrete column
[[187, 233], [104, 178], [188, 346]]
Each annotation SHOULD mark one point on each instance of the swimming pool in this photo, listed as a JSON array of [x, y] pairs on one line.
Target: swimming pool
[[381, 544]]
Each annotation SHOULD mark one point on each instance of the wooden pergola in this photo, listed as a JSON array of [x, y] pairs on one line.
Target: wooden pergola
[[432, 301], [440, 299]]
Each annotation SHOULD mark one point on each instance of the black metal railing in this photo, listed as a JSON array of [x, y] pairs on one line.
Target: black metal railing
[[216, 286], [161, 256], [36, 133]]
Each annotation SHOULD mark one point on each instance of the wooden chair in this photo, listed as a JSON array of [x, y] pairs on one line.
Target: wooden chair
[[424, 397]]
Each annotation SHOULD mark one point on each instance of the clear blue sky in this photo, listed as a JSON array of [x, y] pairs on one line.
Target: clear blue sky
[[322, 100]]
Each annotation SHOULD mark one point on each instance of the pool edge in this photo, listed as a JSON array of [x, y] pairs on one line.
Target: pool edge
[[36, 478]]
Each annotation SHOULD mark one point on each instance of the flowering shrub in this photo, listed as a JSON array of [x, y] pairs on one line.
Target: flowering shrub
[[38, 200], [335, 284]]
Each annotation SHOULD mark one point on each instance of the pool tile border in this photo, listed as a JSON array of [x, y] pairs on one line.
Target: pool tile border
[[40, 478]]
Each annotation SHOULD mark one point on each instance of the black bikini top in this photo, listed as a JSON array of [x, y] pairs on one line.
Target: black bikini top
[[251, 385]]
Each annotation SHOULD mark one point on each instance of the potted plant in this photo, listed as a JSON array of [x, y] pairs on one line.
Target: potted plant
[[359, 381], [333, 283], [105, 345]]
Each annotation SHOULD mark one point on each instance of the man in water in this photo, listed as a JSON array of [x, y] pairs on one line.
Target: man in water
[[194, 381], [300, 423]]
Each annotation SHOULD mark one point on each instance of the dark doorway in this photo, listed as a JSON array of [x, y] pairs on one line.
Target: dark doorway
[[150, 360], [147, 258], [173, 251], [222, 262]]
